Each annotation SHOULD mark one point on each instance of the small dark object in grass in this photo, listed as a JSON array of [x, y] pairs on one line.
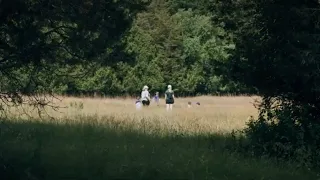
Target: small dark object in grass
[[198, 103]]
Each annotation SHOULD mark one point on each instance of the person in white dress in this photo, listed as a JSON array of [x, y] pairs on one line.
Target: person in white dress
[[145, 96]]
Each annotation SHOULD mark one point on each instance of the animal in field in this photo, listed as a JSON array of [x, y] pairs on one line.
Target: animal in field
[[190, 104]]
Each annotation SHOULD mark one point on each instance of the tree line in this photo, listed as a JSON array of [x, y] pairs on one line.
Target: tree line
[[267, 48], [163, 43]]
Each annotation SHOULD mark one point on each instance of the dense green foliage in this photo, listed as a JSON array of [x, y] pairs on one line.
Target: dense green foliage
[[41, 42], [276, 51], [269, 48], [279, 57], [165, 45]]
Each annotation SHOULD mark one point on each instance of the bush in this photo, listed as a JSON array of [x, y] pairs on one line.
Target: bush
[[285, 131]]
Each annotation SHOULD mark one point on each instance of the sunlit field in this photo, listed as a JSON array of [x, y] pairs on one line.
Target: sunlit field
[[214, 114], [103, 138]]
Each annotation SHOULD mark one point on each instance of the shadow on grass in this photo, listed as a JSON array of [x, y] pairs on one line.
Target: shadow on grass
[[44, 150]]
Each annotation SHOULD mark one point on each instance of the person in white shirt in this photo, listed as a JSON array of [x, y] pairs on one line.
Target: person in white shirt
[[145, 96]]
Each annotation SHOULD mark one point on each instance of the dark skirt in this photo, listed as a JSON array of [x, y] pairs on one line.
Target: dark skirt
[[169, 101], [145, 102]]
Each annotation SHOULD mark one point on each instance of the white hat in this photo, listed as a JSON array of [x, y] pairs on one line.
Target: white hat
[[169, 87], [145, 87]]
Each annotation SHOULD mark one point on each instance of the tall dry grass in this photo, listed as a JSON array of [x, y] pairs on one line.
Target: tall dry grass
[[215, 114], [94, 138]]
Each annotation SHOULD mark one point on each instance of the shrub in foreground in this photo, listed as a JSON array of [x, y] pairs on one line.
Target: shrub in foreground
[[285, 132]]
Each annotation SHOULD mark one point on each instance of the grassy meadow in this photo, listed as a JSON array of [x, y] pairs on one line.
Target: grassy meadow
[[102, 138]]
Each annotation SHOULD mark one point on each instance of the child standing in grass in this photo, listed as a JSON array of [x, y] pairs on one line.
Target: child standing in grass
[[156, 98], [138, 103]]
